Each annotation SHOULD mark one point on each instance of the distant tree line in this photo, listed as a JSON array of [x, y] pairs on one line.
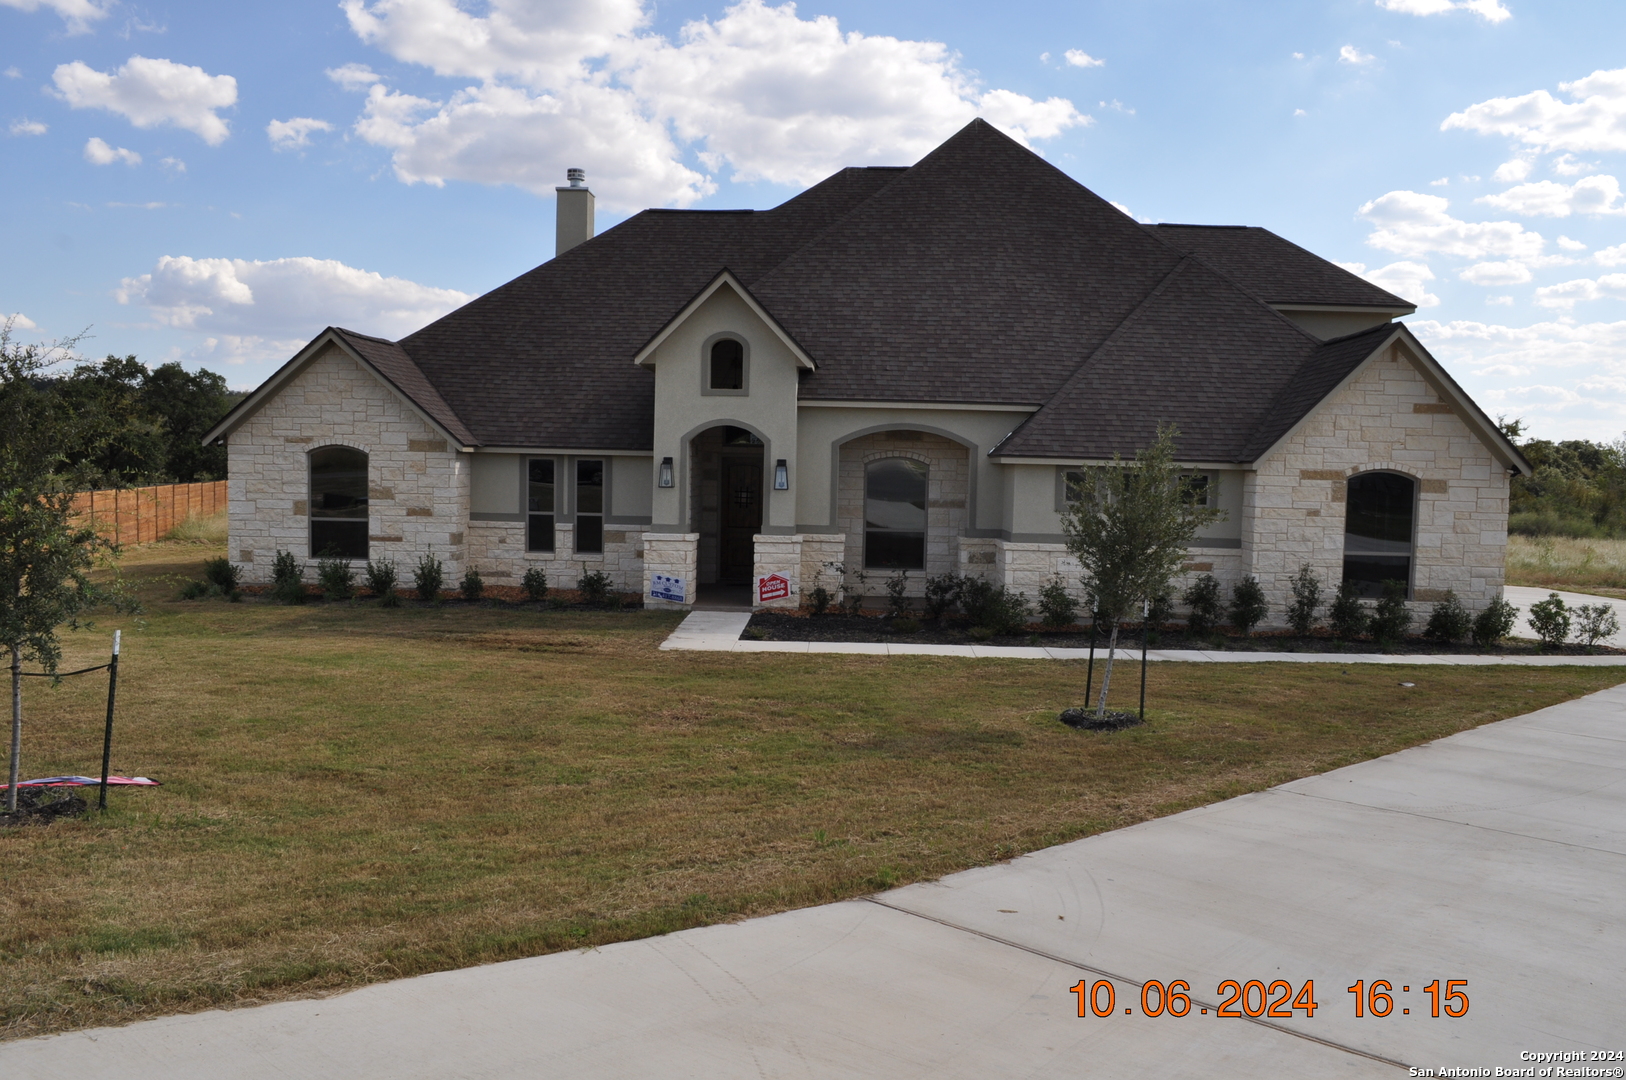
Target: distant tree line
[[1578, 489], [127, 425]]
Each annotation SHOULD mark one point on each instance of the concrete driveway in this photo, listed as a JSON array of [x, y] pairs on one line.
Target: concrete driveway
[[1495, 857], [1522, 598]]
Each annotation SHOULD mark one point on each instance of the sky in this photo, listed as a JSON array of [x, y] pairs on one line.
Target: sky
[[215, 183]]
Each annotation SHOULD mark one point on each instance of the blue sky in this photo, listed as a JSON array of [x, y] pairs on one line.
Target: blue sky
[[215, 183]]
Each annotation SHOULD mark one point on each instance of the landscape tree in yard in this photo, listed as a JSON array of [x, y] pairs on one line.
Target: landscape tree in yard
[[1129, 525], [44, 556]]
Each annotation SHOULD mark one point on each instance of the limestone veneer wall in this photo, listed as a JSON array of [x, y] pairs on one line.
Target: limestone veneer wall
[[497, 550], [948, 481], [1387, 417], [418, 490]]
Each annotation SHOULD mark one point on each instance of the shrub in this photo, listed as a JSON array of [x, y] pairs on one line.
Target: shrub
[[995, 607], [1203, 597], [942, 592], [1550, 619], [428, 576], [535, 584], [1057, 605], [287, 580], [1348, 617], [197, 590], [594, 587], [1494, 623], [854, 600], [381, 580], [337, 580], [473, 585], [905, 624], [980, 633], [222, 575], [1306, 598], [1248, 604], [1449, 621], [1160, 611], [1594, 622], [819, 600], [1391, 618], [897, 602]]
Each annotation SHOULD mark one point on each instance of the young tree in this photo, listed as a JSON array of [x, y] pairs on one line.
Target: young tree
[[44, 556], [1129, 525]]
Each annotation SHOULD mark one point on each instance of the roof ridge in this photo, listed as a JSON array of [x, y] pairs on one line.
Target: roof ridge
[[1252, 446], [901, 170]]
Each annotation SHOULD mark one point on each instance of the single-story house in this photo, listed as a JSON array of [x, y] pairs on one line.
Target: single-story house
[[892, 372]]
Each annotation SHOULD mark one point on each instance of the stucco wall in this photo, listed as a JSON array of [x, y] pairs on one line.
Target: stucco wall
[[418, 489]]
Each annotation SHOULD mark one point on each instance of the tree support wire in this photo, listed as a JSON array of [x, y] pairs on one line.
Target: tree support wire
[[112, 669]]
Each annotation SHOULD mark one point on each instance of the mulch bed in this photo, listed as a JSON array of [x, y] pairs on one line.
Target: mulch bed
[[41, 806], [785, 626], [1089, 720]]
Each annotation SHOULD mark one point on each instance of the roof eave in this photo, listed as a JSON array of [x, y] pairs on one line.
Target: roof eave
[[645, 355]]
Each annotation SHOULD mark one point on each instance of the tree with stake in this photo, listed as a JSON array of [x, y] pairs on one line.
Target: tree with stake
[[1129, 525], [44, 556]]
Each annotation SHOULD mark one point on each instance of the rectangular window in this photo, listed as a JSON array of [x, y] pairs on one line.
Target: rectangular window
[[540, 506], [590, 507], [1070, 480], [1195, 487]]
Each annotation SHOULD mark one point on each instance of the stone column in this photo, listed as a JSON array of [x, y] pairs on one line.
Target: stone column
[[674, 555], [776, 557], [821, 553]]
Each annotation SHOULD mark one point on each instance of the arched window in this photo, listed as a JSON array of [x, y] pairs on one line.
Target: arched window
[[895, 514], [338, 503], [727, 365], [1378, 530]]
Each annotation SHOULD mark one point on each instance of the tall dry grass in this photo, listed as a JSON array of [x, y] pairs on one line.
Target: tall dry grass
[[201, 530], [1558, 562]]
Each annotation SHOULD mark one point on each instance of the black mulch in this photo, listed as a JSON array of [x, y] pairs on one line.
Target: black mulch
[[1089, 720], [41, 806], [783, 626]]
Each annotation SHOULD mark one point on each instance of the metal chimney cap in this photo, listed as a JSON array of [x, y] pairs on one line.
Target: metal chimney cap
[[577, 177]]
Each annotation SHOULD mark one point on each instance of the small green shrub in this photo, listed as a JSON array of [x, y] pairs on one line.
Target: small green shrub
[[473, 585], [594, 587], [535, 584], [997, 607], [904, 624], [1160, 612], [1594, 622], [942, 593], [222, 575], [287, 580], [1391, 618], [198, 590], [897, 599], [980, 633], [1550, 619], [1248, 604], [1448, 621], [1057, 607], [818, 601], [336, 578], [428, 577], [854, 600], [1348, 617], [1306, 598], [1203, 597], [1494, 623], [381, 581]]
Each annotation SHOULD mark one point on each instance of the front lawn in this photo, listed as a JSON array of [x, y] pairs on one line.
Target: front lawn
[[354, 793]]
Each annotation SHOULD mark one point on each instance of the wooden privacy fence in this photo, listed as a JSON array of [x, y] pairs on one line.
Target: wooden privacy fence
[[139, 515]]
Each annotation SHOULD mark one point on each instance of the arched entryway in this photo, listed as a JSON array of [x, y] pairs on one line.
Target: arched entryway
[[1379, 519], [727, 481]]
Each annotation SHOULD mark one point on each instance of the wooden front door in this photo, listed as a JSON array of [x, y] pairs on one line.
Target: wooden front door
[[741, 521]]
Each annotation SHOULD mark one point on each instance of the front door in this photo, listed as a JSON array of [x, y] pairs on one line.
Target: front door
[[741, 521]]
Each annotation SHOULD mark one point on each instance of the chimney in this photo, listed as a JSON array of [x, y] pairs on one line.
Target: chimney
[[574, 223]]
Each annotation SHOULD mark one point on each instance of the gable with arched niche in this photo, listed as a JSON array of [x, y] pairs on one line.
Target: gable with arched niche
[[902, 500]]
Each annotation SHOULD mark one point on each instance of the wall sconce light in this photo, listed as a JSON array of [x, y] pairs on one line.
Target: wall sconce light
[[666, 472], [781, 476]]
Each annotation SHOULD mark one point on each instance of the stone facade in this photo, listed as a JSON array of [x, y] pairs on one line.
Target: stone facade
[[417, 486], [497, 550], [947, 498], [674, 554]]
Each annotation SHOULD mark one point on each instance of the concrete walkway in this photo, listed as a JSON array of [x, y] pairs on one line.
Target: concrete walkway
[[719, 631], [1494, 857]]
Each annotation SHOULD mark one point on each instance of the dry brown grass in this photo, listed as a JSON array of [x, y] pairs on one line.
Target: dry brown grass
[[1558, 562], [354, 794]]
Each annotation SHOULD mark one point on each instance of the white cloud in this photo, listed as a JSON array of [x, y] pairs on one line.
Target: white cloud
[[1444, 181], [1507, 272], [283, 299], [757, 92], [1570, 245], [1489, 10], [1611, 256], [1547, 198], [1080, 58], [1349, 54], [1503, 301], [28, 127], [292, 134], [1300, 112], [12, 72], [1511, 172], [78, 14], [354, 76], [1411, 223], [98, 152], [1298, 56], [1594, 121], [1570, 165], [18, 321], [1567, 294], [174, 163], [1405, 279], [150, 92]]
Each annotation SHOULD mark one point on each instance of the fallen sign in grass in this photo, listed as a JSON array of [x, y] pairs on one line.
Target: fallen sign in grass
[[355, 794]]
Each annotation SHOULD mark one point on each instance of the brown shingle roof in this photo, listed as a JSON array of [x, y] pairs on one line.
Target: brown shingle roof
[[1276, 270]]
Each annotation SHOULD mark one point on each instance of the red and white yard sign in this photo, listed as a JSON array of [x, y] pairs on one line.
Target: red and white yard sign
[[772, 587]]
